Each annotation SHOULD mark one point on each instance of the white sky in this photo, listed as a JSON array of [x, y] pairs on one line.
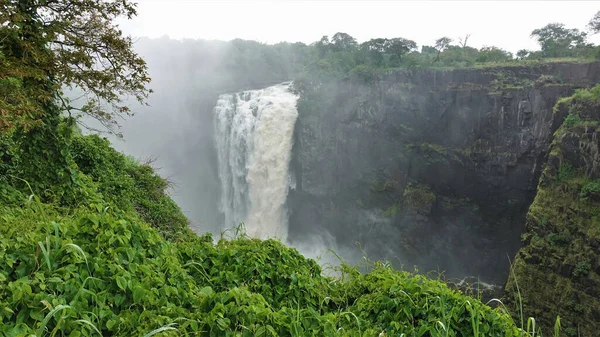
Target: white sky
[[506, 24]]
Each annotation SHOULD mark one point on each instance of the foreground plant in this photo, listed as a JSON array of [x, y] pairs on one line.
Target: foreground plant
[[102, 272]]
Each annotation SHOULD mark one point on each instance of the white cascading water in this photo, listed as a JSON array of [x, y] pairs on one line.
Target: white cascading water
[[254, 136]]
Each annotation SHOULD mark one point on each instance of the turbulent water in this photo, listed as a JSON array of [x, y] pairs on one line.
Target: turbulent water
[[254, 135]]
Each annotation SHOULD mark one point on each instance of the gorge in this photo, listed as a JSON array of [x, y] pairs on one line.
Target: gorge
[[345, 188], [438, 167], [434, 169]]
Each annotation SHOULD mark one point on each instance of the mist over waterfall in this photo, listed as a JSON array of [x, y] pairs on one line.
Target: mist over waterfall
[[254, 135]]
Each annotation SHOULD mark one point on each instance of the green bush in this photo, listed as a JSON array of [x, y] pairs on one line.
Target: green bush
[[41, 156], [591, 95], [565, 171], [364, 72], [582, 269], [128, 185], [591, 189], [572, 120], [98, 272]]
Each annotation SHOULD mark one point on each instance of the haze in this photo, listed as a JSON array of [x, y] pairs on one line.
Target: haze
[[190, 70], [505, 24]]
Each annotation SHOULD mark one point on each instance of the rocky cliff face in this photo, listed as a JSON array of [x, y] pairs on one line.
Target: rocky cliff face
[[429, 168], [558, 269]]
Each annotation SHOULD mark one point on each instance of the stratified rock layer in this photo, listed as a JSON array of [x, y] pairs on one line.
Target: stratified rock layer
[[558, 268], [429, 168]]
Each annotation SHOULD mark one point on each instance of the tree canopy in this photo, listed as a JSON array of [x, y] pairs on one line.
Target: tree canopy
[[343, 42], [558, 41], [594, 24], [441, 44], [46, 45]]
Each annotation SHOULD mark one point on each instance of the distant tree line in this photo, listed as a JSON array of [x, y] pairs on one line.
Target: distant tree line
[[243, 63], [342, 54]]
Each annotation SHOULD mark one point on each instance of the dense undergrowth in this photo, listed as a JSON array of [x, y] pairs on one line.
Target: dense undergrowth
[[119, 261]]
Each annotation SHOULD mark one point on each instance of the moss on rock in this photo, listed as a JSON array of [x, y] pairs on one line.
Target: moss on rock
[[419, 197], [557, 269]]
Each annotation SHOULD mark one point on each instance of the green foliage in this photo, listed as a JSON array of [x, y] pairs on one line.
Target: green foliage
[[91, 244], [129, 186], [582, 269], [382, 185], [392, 210], [82, 47], [548, 80], [509, 80], [17, 108], [419, 196], [558, 239], [430, 153], [565, 171], [493, 54], [591, 95], [6, 163], [99, 263], [427, 147], [364, 72], [558, 41], [590, 190], [571, 332], [42, 157], [70, 171], [342, 55], [98, 272], [594, 24]]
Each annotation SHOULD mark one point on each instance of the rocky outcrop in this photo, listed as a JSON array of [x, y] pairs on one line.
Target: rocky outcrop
[[429, 168], [557, 270]]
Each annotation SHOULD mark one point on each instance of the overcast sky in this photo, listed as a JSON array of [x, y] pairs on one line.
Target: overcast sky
[[506, 24]]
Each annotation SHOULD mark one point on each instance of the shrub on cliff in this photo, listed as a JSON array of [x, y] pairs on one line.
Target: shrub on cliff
[[128, 185]]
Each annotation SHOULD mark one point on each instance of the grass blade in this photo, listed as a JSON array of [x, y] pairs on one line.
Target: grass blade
[[49, 316], [56, 237], [46, 254], [161, 329], [531, 325], [82, 288], [77, 248], [90, 324]]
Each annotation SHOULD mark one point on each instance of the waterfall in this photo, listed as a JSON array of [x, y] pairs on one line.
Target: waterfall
[[254, 135]]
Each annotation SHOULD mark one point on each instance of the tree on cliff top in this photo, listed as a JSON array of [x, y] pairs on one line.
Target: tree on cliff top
[[343, 42], [558, 41], [594, 24], [46, 45], [441, 44]]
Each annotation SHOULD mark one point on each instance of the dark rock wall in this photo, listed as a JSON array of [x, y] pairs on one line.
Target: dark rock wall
[[429, 168], [558, 267]]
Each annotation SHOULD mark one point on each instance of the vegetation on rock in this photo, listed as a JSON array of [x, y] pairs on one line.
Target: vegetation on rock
[[556, 271]]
